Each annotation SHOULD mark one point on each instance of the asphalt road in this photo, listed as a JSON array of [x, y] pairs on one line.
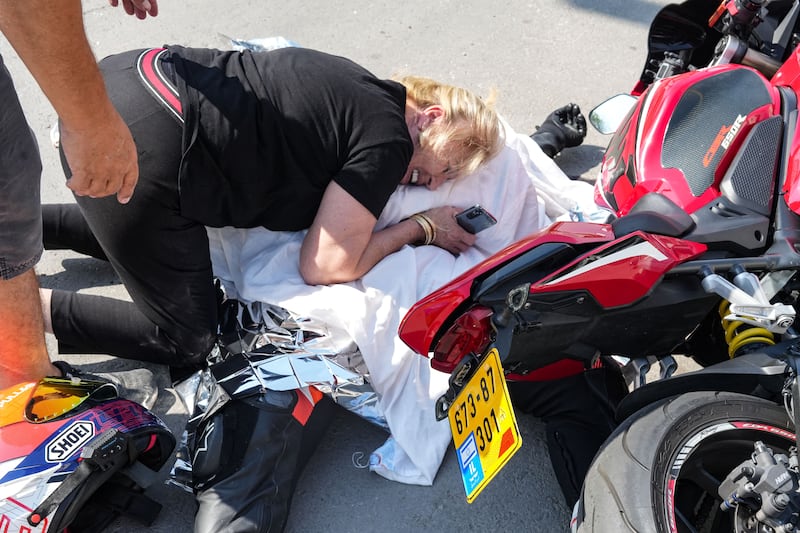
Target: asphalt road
[[539, 55]]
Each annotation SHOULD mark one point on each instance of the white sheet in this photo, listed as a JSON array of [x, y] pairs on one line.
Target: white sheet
[[522, 187]]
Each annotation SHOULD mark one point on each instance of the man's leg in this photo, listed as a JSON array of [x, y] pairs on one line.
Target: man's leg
[[23, 352]]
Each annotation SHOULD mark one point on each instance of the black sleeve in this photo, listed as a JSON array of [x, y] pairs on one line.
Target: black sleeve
[[372, 174]]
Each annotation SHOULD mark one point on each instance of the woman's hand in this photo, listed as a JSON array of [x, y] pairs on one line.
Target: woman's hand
[[449, 235]]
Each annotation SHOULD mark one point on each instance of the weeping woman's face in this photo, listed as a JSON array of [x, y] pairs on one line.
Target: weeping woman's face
[[428, 169]]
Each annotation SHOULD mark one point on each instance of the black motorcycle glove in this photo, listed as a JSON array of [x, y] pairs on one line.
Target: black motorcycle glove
[[563, 128]]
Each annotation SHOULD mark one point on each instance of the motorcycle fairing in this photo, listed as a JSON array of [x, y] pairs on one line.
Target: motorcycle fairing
[[589, 291], [618, 171], [609, 300], [559, 242], [739, 219], [679, 29], [789, 76], [624, 271], [673, 145]]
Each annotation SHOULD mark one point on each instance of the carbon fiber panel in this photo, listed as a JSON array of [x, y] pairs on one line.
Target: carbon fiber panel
[[751, 179], [707, 110]]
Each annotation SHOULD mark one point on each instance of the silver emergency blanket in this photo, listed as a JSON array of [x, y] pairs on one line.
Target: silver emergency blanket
[[263, 347]]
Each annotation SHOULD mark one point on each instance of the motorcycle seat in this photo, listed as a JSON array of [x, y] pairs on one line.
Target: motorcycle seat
[[654, 213]]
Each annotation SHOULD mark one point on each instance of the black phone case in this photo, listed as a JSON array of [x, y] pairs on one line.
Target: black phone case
[[475, 219]]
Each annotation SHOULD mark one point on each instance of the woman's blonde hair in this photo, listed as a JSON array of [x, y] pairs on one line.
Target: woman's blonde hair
[[470, 134]]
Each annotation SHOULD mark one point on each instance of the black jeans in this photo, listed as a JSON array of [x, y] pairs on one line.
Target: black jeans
[[161, 257], [578, 413]]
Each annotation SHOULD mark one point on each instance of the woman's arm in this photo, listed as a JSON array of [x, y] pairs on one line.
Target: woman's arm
[[341, 244]]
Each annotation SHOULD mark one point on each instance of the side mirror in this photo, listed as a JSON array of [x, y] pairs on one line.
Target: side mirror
[[607, 116]]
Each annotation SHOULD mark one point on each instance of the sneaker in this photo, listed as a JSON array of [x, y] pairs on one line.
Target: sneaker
[[137, 385]]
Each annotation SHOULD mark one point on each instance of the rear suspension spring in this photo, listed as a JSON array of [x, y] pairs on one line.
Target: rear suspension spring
[[739, 335]]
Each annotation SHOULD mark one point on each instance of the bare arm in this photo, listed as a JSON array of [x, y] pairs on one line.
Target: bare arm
[[340, 245], [50, 39]]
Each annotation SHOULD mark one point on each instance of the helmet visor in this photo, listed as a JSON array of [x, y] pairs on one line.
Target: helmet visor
[[55, 397]]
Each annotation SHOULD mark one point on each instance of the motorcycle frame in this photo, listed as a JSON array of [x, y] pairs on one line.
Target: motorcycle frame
[[426, 320], [766, 370]]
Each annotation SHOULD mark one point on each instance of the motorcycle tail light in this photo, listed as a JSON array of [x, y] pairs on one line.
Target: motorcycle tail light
[[470, 333]]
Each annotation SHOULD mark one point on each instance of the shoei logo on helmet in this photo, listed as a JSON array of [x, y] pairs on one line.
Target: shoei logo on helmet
[[69, 441]]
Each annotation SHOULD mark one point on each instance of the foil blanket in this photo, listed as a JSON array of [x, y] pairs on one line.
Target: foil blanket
[[262, 347]]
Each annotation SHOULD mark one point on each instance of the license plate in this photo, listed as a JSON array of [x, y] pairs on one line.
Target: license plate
[[485, 432]]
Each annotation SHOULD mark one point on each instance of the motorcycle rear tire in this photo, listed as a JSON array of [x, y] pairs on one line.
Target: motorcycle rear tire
[[678, 443]]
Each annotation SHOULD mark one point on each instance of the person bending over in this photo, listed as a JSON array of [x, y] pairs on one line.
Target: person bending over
[[290, 139]]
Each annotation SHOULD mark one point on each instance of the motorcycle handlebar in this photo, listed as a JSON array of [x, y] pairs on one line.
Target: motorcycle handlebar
[[731, 49]]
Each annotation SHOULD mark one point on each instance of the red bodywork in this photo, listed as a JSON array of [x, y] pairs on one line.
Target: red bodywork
[[634, 164], [616, 272], [425, 318], [621, 277], [789, 76]]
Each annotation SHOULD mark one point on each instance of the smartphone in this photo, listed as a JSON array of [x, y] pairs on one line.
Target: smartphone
[[475, 219]]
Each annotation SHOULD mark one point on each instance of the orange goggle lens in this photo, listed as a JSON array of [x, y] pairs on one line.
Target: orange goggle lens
[[55, 397]]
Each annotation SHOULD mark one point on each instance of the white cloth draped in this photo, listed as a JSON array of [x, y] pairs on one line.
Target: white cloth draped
[[521, 187]]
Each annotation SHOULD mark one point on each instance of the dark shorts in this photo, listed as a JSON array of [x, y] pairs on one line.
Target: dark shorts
[[20, 174]]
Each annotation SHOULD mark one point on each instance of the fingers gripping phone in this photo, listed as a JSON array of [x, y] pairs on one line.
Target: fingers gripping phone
[[475, 219]]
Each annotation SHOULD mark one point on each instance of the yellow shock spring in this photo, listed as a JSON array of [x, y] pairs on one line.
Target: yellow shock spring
[[739, 334]]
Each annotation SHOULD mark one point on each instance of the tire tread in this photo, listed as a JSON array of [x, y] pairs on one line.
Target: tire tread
[[613, 498]]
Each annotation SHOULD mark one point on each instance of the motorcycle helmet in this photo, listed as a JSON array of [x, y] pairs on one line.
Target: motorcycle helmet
[[61, 440]]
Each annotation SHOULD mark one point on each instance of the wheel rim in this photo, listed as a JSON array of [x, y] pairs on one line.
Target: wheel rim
[[702, 463]]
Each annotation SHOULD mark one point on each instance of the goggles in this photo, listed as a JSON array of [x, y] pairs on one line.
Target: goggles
[[52, 398]]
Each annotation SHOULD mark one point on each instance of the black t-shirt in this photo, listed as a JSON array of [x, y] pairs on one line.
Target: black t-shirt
[[266, 132]]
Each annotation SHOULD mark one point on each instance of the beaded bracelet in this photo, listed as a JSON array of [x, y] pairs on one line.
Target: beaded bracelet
[[427, 226]]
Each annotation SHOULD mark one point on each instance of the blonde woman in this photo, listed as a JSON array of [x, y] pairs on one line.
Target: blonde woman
[[291, 139]]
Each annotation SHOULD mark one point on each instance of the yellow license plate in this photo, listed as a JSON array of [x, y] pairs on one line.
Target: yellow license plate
[[485, 432]]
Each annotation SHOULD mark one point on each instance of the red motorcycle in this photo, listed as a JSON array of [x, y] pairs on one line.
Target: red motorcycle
[[700, 260]]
